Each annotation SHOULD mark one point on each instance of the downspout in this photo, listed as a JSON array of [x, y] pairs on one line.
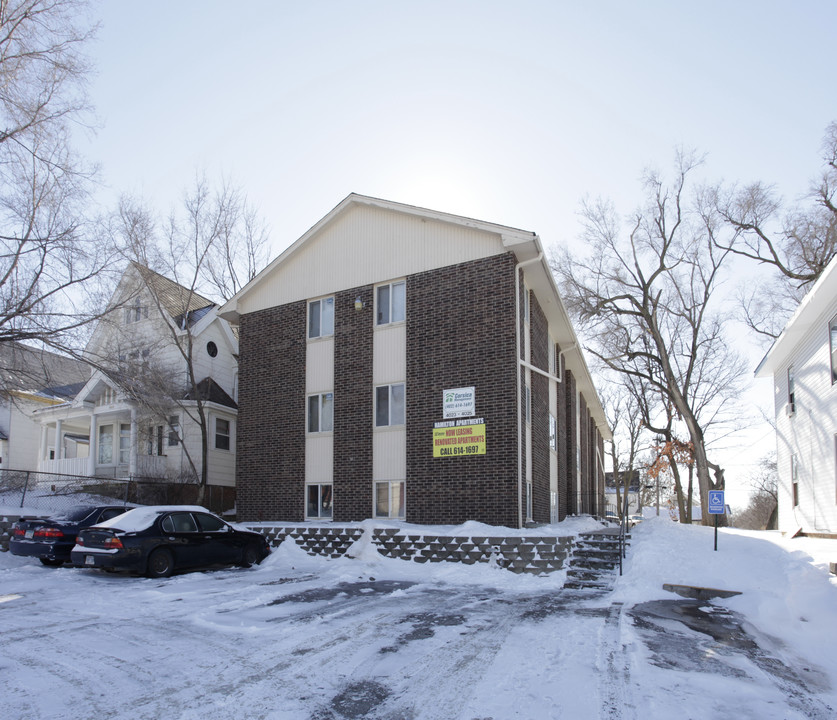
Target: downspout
[[520, 363]]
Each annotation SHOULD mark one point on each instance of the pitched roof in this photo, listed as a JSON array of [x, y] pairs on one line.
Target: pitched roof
[[818, 300], [176, 299], [23, 367], [211, 391]]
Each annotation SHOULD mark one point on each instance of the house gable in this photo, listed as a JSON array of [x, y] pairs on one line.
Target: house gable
[[359, 245]]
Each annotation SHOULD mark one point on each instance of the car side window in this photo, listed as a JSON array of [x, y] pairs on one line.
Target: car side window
[[110, 513], [179, 522], [210, 523]]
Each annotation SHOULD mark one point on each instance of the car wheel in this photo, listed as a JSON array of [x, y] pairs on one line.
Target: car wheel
[[51, 562], [251, 556], [160, 564]]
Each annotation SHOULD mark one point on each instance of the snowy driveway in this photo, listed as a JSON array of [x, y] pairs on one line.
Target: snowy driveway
[[308, 638]]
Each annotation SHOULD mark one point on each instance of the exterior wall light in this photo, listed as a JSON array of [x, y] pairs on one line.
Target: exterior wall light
[[358, 304]]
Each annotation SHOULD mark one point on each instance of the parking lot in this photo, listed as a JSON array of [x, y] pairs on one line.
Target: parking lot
[[303, 637]]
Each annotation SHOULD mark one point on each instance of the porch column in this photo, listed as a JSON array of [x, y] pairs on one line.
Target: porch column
[[42, 449], [132, 462], [59, 439], [94, 449]]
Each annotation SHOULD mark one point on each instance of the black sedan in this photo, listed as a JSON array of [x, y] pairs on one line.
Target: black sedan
[[51, 539], [158, 540]]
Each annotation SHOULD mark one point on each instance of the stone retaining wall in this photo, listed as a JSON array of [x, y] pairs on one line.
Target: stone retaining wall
[[533, 554]]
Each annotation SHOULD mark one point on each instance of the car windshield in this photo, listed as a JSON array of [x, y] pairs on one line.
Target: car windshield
[[77, 513]]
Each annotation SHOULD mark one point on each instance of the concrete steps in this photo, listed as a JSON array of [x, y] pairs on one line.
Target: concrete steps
[[594, 561]]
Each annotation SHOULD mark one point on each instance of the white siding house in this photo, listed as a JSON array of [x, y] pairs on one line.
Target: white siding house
[[803, 364], [136, 346]]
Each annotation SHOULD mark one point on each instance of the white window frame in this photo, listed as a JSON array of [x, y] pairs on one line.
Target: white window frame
[[553, 433], [107, 430], [401, 512], [320, 304], [390, 421], [174, 431], [227, 435], [322, 513], [321, 427], [385, 315]]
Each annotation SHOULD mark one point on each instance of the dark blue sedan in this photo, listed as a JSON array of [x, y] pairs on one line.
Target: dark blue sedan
[[163, 539], [51, 539]]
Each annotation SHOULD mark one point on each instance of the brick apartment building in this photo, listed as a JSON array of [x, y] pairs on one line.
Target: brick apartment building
[[397, 362]]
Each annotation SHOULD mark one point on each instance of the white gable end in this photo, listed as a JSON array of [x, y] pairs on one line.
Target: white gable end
[[364, 244]]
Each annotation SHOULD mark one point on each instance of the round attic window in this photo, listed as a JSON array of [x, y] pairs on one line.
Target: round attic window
[[211, 349]]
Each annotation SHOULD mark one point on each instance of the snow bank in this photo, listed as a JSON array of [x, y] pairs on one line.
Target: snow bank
[[786, 595]]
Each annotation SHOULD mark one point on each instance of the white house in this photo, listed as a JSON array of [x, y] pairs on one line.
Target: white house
[[32, 378], [803, 364], [134, 357]]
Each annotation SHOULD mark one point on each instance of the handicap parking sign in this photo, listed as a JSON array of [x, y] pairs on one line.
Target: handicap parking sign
[[716, 502]]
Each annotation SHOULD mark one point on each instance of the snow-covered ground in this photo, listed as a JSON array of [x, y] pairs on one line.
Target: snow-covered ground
[[304, 637]]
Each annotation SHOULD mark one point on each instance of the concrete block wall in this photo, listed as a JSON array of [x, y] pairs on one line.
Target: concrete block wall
[[533, 554]]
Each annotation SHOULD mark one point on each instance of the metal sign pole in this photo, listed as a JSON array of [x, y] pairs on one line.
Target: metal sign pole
[[716, 533]]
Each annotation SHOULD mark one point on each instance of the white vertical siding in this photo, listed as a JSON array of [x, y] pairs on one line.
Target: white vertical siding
[[319, 366], [808, 433], [319, 378], [364, 245], [389, 366]]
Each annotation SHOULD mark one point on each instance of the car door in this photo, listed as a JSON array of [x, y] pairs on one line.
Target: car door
[[180, 532], [220, 546]]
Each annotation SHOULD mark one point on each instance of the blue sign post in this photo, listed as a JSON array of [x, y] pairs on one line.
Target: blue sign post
[[716, 507]]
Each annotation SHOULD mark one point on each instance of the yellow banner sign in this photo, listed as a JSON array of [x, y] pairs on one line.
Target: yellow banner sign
[[459, 440]]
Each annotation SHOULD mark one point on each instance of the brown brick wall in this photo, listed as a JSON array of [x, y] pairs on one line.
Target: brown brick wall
[[584, 441], [460, 333], [563, 439], [270, 438], [571, 408], [539, 344], [353, 405]]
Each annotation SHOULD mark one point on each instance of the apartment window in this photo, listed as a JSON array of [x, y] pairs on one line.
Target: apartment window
[[790, 389], [222, 434], [321, 318], [106, 445], [832, 339], [174, 431], [553, 368], [124, 443], [795, 479], [553, 433], [392, 303], [389, 499], [321, 413], [389, 405], [527, 404], [318, 501]]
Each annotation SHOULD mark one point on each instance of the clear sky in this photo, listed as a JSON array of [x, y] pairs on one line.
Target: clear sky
[[508, 112]]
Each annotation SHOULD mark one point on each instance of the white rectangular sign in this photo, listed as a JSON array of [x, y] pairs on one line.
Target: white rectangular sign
[[458, 402]]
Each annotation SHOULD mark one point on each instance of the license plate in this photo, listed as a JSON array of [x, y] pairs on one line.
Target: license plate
[[89, 560], [29, 534]]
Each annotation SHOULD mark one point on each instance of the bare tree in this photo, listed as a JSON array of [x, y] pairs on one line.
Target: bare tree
[[213, 241], [648, 303], [626, 421], [761, 511], [797, 243], [48, 251]]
